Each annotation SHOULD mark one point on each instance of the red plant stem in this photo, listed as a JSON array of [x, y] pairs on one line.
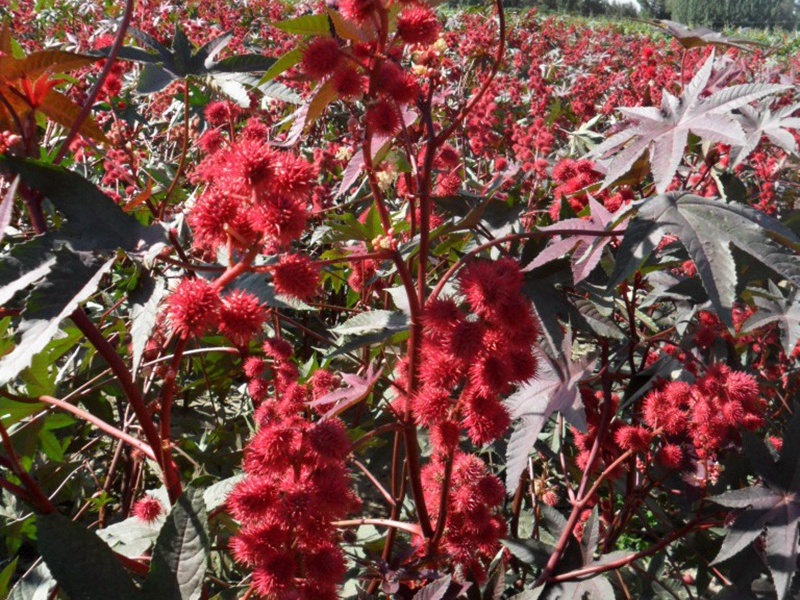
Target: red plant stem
[[387, 496], [409, 527], [444, 497], [90, 99], [35, 493], [626, 560], [582, 498], [33, 205], [231, 273], [168, 390], [17, 491], [101, 425], [134, 395]]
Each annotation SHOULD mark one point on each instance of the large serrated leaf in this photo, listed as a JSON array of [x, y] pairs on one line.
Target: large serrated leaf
[[663, 133], [555, 389], [243, 63], [153, 79], [131, 537], [36, 584], [38, 63], [65, 112], [708, 228], [26, 264], [774, 505], [95, 221], [435, 590], [7, 207], [181, 552], [373, 321], [284, 63], [81, 562], [72, 280], [783, 311]]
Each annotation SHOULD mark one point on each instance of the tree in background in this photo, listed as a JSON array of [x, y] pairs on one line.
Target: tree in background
[[656, 9], [767, 14]]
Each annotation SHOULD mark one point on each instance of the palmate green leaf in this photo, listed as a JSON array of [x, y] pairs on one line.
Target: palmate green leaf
[[232, 77], [181, 552], [82, 564], [773, 505], [708, 228]]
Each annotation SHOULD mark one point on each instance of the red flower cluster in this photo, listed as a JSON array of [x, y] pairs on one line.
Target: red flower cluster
[[195, 308], [296, 484], [708, 413], [470, 359], [474, 527], [256, 195]]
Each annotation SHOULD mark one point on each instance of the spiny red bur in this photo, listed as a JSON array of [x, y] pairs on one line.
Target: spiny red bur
[[294, 176], [347, 82], [418, 25], [221, 113], [296, 276], [382, 118], [255, 195], [708, 413], [396, 83], [241, 317], [321, 57], [357, 10], [148, 509], [214, 216], [194, 307], [280, 218], [295, 485], [474, 526], [474, 354]]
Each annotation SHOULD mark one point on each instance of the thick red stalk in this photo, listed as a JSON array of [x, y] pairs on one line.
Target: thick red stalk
[[100, 424]]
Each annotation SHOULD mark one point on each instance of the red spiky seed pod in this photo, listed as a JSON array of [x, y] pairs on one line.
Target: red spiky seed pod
[[241, 317], [321, 57], [382, 118], [148, 509], [193, 308], [296, 276], [418, 25]]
